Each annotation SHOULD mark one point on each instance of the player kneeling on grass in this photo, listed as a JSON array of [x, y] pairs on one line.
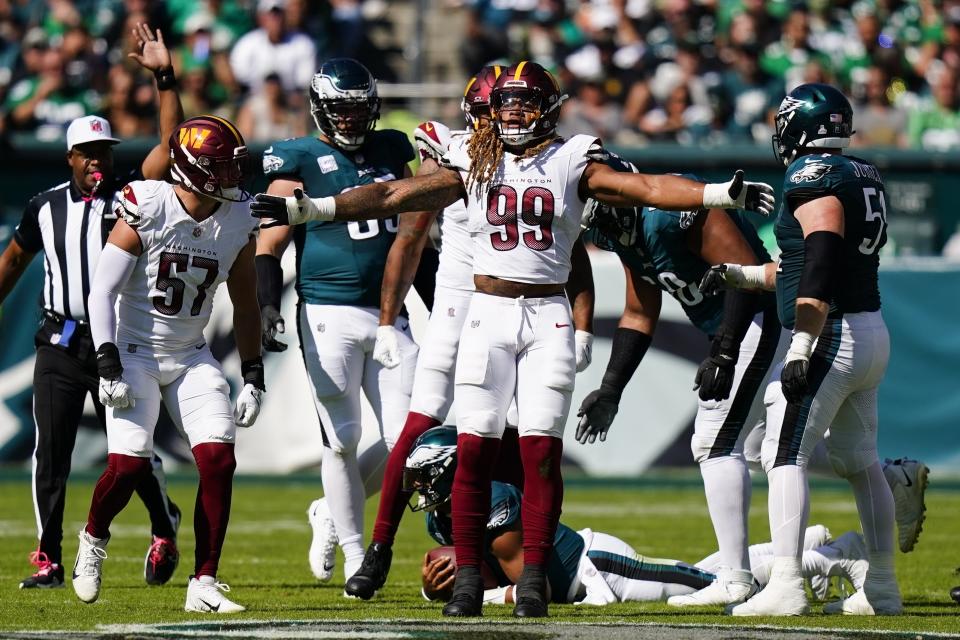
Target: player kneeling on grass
[[164, 260], [585, 567]]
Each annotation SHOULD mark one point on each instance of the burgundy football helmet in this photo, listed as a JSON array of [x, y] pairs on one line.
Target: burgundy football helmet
[[209, 157], [476, 97], [525, 104]]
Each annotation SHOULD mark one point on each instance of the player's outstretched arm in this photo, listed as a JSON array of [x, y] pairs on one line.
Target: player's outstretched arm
[[152, 54], [582, 296], [13, 262], [379, 200], [673, 193], [242, 285], [630, 343]]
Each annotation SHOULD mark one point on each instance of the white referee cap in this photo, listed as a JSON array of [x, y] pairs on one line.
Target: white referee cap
[[89, 129]]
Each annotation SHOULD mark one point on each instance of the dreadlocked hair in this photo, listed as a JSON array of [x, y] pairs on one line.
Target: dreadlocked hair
[[485, 150]]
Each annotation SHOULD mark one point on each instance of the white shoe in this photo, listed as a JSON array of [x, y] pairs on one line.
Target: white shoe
[[731, 587], [881, 599], [89, 566], [908, 481], [784, 595], [815, 536], [323, 548], [205, 595]]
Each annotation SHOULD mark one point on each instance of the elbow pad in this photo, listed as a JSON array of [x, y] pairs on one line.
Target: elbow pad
[[822, 261]]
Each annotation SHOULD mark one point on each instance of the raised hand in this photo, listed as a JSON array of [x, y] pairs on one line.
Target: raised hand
[[151, 51]]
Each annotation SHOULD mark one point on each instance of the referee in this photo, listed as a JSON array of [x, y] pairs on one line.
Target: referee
[[70, 224]]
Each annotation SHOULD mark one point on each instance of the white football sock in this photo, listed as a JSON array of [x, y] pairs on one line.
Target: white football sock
[[789, 509], [343, 489], [875, 504], [726, 483]]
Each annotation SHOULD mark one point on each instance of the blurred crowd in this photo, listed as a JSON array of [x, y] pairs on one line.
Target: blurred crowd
[[250, 60], [704, 72], [711, 72]]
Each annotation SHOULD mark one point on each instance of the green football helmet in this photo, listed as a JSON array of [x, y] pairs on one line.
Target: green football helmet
[[430, 466], [344, 102], [812, 116]]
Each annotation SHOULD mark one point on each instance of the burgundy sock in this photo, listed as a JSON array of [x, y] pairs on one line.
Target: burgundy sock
[[216, 464], [471, 496], [542, 496], [392, 496], [509, 467], [113, 491]]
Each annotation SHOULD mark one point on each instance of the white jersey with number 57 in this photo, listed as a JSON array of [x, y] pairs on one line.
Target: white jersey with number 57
[[166, 303], [525, 221]]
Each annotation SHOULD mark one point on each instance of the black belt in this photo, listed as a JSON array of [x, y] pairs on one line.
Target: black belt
[[53, 316]]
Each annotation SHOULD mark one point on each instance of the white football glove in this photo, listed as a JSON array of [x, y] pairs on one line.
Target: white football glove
[[739, 194], [386, 351], [248, 406], [116, 393], [584, 344]]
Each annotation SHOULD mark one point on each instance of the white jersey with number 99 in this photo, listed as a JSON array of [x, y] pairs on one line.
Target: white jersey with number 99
[[525, 221], [166, 303]]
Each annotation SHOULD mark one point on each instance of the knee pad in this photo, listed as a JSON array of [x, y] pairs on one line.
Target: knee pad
[[483, 424], [344, 438], [847, 462]]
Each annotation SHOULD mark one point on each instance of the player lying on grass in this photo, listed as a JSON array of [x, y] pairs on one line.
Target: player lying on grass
[[585, 567]]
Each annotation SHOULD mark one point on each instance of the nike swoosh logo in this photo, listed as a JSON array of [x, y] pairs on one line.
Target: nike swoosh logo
[[560, 326], [906, 477], [404, 327], [328, 567], [210, 606]]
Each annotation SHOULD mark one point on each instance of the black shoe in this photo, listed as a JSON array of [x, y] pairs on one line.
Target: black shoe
[[163, 556], [49, 575], [467, 598], [530, 593], [954, 593], [372, 573]]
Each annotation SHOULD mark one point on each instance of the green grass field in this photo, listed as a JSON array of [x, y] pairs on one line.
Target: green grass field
[[265, 559]]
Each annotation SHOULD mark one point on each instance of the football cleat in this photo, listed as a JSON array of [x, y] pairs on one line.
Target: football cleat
[[162, 556], [467, 598], [88, 568], [323, 547], [531, 593], [874, 599], [732, 586], [49, 575], [908, 481], [205, 595], [372, 574], [955, 594], [784, 595]]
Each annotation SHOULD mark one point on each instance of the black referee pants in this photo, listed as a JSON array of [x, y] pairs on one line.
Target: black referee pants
[[62, 377]]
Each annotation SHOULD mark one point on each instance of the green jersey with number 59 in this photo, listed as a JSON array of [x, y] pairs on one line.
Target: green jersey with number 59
[[341, 262], [859, 188]]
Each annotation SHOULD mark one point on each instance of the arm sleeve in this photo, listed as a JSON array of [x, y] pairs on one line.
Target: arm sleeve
[[113, 271], [27, 233]]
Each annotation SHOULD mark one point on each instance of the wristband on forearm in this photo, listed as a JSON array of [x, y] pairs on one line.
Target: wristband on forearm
[[108, 361], [269, 280], [252, 371], [165, 78], [626, 353]]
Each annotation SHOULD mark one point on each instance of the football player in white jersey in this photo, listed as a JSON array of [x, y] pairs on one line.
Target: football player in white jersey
[[433, 383], [526, 190], [151, 296]]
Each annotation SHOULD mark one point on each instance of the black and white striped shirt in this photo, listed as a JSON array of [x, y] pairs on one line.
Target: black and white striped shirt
[[71, 232]]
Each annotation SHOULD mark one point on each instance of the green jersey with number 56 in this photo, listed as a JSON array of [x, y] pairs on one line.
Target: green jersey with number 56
[[341, 262], [859, 188]]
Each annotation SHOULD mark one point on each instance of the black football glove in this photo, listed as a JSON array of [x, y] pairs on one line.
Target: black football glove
[[272, 324], [794, 380], [271, 209], [715, 377], [596, 414]]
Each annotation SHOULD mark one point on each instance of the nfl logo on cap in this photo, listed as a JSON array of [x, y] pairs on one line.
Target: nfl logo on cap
[[89, 129]]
